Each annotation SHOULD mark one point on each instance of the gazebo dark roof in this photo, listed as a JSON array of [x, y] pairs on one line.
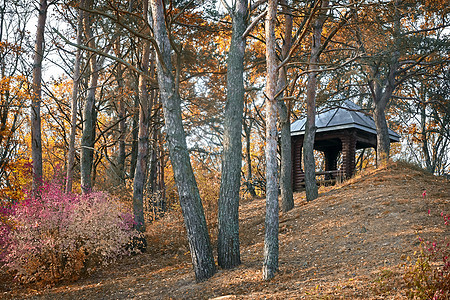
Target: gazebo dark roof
[[347, 116]]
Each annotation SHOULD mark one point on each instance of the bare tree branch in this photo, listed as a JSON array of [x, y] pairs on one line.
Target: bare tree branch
[[117, 59], [253, 24]]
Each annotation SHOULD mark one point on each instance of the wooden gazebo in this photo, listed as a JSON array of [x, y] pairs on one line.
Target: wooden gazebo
[[339, 130]]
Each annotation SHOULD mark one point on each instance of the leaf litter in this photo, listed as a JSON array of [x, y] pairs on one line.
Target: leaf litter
[[350, 243]]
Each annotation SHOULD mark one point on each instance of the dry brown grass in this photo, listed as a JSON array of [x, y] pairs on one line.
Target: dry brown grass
[[350, 243]]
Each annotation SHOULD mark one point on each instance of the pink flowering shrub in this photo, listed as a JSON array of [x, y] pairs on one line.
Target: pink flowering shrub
[[60, 236], [429, 276], [6, 225]]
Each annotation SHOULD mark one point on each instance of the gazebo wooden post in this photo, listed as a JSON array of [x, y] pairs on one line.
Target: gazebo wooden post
[[297, 162], [348, 153], [331, 156]]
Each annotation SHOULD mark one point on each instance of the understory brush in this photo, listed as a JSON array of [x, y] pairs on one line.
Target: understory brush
[[53, 236]]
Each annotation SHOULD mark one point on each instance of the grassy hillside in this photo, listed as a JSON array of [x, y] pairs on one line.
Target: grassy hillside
[[352, 242]]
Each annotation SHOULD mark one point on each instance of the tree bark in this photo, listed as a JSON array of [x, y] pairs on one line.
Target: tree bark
[[135, 132], [161, 168], [383, 143], [382, 94], [36, 142], [122, 127], [190, 202], [248, 132], [142, 152], [310, 129], [228, 238], [424, 138], [287, 199], [89, 114], [74, 105], [270, 266], [145, 106], [153, 163]]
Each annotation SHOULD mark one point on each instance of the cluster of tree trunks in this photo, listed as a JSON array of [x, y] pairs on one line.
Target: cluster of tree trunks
[[191, 205], [156, 46]]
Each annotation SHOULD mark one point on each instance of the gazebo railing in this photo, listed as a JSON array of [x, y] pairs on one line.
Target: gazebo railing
[[329, 177]]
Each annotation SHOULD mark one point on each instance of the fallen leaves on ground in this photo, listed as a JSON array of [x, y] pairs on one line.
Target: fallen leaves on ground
[[350, 243]]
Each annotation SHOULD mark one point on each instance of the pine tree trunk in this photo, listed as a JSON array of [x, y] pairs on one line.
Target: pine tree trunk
[[74, 105], [122, 127], [270, 265], [161, 167], [381, 98], [424, 139], [145, 107], [248, 132], [228, 238], [287, 198], [36, 142], [382, 94], [310, 129], [142, 156], [135, 133], [383, 142], [152, 164], [190, 202], [309, 164], [88, 135]]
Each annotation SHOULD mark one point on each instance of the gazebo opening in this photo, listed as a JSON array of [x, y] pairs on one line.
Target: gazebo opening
[[340, 132]]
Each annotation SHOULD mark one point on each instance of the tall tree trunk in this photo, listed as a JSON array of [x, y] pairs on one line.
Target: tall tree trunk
[[228, 238], [190, 202], [381, 98], [287, 199], [424, 138], [310, 129], [145, 106], [88, 135], [36, 143], [248, 132], [270, 266], [135, 132], [74, 105], [382, 94], [383, 144], [156, 202], [161, 167], [122, 127], [152, 164]]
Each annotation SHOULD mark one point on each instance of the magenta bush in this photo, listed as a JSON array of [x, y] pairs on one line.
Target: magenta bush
[[6, 226], [429, 276], [59, 236]]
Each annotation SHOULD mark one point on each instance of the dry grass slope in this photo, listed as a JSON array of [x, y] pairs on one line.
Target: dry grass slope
[[348, 244]]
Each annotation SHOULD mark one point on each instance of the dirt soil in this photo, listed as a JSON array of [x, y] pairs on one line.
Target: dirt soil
[[350, 243]]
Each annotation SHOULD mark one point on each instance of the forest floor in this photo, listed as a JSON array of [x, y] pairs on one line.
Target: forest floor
[[350, 243]]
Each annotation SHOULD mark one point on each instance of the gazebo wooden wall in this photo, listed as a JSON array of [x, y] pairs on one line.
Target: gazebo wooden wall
[[297, 171], [331, 144]]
